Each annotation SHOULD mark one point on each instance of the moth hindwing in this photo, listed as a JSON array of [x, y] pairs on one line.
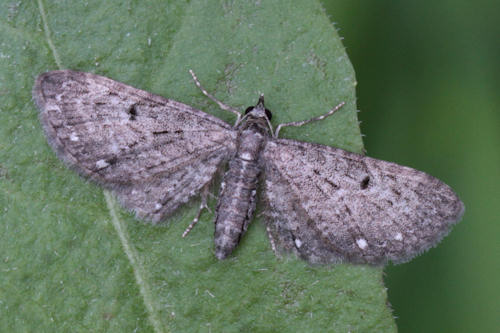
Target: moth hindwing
[[323, 203]]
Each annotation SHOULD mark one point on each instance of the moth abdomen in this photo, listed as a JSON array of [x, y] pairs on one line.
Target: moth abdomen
[[236, 205]]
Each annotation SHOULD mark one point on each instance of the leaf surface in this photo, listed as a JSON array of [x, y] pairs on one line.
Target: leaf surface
[[73, 260]]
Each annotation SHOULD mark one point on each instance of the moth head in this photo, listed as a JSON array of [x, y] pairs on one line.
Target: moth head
[[259, 110]]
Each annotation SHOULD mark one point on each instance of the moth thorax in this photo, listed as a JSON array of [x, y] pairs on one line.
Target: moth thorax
[[250, 144]]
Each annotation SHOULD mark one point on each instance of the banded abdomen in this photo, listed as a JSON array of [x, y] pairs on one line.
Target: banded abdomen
[[238, 192]]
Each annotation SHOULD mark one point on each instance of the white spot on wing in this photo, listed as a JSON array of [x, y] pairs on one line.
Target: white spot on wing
[[398, 236], [246, 156], [101, 164], [362, 243], [73, 137], [298, 243]]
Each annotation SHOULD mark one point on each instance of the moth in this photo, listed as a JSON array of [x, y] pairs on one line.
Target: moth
[[324, 204]]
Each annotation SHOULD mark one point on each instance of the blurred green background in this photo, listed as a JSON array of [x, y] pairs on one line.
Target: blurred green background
[[428, 91]]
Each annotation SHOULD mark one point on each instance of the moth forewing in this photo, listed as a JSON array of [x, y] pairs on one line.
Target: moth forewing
[[153, 153]]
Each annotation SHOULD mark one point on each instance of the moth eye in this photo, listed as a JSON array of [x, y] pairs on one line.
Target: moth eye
[[365, 182], [250, 108], [269, 114], [132, 111]]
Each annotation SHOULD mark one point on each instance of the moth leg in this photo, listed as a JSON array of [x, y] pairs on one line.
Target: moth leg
[[303, 122], [219, 103], [272, 241], [204, 194]]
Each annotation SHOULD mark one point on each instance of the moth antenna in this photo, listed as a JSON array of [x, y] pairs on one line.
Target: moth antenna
[[210, 96], [303, 122]]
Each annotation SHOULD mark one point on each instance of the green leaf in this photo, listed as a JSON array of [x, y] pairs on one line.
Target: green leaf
[[73, 260]]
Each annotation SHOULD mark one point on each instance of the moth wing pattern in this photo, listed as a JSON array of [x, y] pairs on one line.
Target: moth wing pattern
[[152, 152], [329, 205]]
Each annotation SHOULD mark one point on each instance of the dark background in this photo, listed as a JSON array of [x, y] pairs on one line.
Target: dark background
[[428, 91]]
